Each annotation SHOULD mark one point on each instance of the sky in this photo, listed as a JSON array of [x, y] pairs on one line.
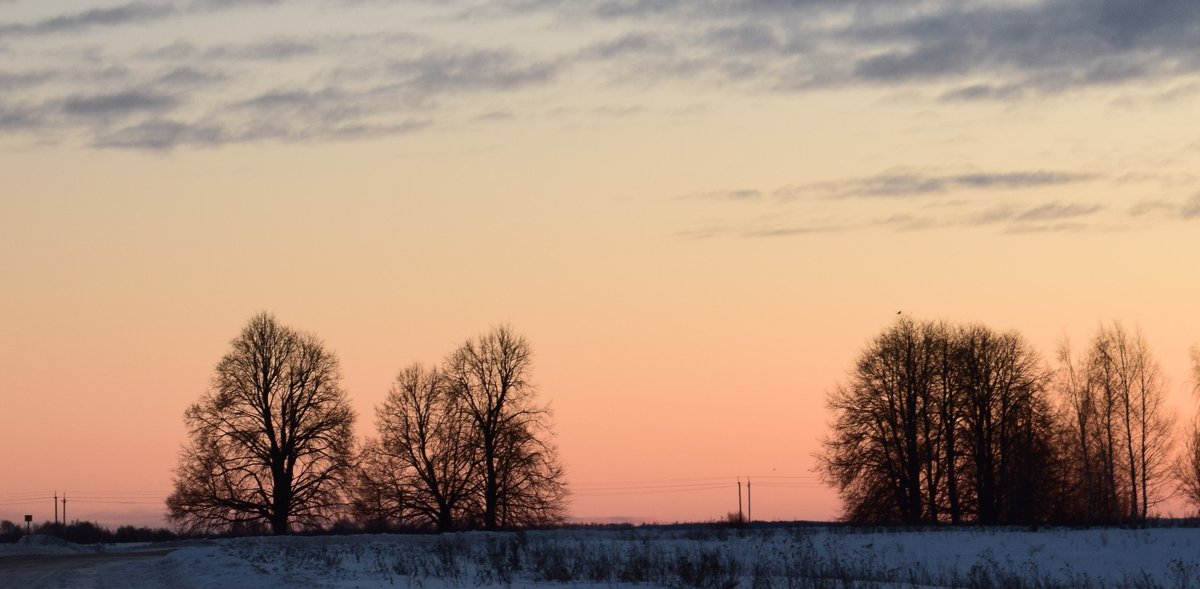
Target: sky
[[698, 212]]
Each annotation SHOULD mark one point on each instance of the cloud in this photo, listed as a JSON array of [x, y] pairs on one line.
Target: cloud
[[978, 92], [14, 81], [443, 71], [117, 104], [916, 184], [1148, 207], [123, 14], [341, 96], [1186, 209], [163, 135], [772, 230], [1055, 211], [21, 118], [495, 116], [1047, 228], [210, 5], [991, 50], [742, 195], [282, 49], [133, 12], [991, 215], [830, 207], [1098, 41], [190, 77], [959, 51], [635, 44], [794, 230]]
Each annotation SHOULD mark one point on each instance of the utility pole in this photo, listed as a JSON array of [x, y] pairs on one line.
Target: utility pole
[[56, 508], [749, 508], [740, 520], [64, 500]]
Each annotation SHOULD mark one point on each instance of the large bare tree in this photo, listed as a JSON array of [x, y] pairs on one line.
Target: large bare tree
[[1006, 421], [876, 454], [271, 441], [520, 478]]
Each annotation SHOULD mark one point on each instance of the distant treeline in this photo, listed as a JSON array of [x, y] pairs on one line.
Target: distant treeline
[[85, 532], [946, 423]]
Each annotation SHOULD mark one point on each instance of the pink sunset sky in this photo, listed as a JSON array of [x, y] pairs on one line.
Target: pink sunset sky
[[697, 212]]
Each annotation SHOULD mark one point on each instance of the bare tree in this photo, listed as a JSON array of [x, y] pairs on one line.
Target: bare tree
[[1079, 403], [878, 452], [1120, 425], [490, 377], [1187, 467], [531, 486], [1006, 420], [429, 446], [1154, 424], [950, 414], [271, 441]]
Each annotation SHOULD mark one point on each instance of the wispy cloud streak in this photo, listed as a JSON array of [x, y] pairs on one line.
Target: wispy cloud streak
[[917, 184], [133, 12], [1014, 202]]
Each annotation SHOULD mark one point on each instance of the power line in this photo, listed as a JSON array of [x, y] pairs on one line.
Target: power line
[[656, 481], [114, 503], [649, 491]]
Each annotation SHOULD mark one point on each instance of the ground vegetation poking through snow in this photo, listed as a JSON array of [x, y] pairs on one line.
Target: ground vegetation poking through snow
[[682, 557]]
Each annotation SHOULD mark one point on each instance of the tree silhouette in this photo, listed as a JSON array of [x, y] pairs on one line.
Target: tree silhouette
[[942, 423], [1006, 421], [1187, 468], [520, 479], [428, 444], [1119, 426], [882, 427], [271, 441]]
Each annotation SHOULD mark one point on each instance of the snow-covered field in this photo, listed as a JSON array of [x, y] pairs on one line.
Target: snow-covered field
[[647, 557]]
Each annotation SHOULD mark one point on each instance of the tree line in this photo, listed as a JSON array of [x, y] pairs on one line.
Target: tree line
[[956, 423], [460, 445], [84, 532]]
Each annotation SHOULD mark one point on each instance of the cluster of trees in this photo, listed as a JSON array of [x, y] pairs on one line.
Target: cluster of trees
[[271, 444], [961, 423], [463, 445]]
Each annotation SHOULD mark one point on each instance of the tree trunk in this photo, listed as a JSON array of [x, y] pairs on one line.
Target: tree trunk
[[490, 489], [281, 499], [445, 519]]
